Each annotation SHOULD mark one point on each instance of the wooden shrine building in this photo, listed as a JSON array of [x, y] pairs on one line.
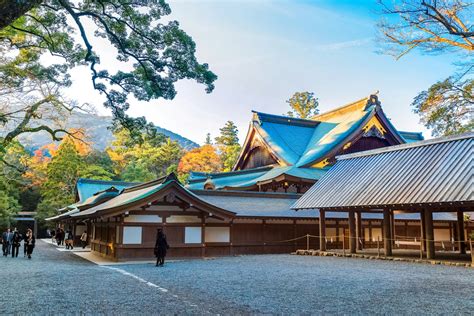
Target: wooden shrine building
[[247, 210], [427, 177]]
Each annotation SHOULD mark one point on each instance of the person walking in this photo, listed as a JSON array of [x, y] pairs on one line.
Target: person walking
[[30, 240], [161, 246], [69, 240], [16, 241], [7, 242], [84, 240], [25, 244]]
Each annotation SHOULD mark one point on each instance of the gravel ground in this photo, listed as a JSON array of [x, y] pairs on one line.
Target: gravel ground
[[60, 282]]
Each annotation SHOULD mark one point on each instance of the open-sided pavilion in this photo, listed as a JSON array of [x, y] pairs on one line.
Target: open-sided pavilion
[[423, 177]]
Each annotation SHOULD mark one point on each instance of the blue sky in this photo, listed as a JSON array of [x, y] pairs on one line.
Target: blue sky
[[264, 51]]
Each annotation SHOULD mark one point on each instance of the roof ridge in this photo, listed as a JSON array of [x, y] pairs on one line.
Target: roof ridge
[[342, 107], [285, 119], [82, 180], [148, 184], [421, 143]]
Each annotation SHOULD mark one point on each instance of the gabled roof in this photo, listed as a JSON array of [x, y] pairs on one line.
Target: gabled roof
[[411, 137], [434, 173], [304, 142], [144, 193]]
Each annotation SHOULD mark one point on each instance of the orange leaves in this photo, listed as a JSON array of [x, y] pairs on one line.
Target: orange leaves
[[203, 159]]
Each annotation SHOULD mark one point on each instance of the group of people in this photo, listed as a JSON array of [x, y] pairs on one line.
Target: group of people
[[66, 238], [161, 247], [11, 242]]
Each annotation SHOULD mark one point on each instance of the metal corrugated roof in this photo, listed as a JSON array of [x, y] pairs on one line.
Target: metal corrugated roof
[[426, 172]]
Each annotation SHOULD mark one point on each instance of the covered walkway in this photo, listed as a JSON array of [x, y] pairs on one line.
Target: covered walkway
[[427, 177]]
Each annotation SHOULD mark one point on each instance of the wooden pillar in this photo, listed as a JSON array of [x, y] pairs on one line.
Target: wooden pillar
[[263, 234], [322, 230], [359, 236], [392, 228], [203, 236], [295, 242], [231, 231], [460, 230], [387, 243], [429, 232], [352, 232], [423, 230]]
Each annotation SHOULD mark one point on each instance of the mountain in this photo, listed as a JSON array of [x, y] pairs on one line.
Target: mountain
[[96, 128]]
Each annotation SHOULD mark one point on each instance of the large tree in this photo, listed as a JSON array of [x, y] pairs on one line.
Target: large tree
[[151, 55], [228, 145], [435, 27], [303, 104]]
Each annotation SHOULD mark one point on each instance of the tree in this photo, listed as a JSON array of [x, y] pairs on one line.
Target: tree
[[304, 105], [228, 145], [141, 160], [447, 107], [151, 55], [208, 139], [435, 27], [202, 159]]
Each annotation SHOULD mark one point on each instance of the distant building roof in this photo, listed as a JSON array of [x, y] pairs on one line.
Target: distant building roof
[[411, 137], [88, 187], [434, 172]]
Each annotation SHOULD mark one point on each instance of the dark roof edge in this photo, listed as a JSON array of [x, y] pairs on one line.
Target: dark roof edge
[[229, 173], [428, 142], [288, 120], [111, 182], [277, 195]]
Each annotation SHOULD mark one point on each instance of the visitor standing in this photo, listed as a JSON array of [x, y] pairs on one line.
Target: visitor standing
[[69, 240], [161, 246], [16, 241], [30, 239], [84, 240], [6, 242]]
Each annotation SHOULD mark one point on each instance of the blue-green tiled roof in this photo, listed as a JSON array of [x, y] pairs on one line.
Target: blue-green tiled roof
[[411, 137], [88, 187]]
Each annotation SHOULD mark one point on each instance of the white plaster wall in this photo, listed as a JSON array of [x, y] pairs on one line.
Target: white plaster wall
[[183, 219], [132, 235], [376, 233], [192, 235], [217, 234], [142, 219]]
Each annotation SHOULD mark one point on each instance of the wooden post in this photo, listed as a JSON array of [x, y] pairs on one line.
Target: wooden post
[[378, 246], [343, 241], [460, 230], [203, 236], [423, 230], [387, 243], [359, 236], [430, 245], [472, 253], [307, 241], [263, 235], [322, 230], [352, 233], [231, 231], [392, 228]]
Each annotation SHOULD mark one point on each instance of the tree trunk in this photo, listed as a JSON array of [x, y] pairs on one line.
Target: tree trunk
[[10, 10]]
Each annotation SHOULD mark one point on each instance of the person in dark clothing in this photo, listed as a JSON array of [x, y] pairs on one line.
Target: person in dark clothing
[[30, 240], [16, 241], [161, 246], [25, 243], [6, 242], [69, 240]]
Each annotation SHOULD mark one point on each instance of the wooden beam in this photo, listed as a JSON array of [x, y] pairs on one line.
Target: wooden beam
[[322, 230], [387, 243], [429, 231], [460, 230], [423, 230]]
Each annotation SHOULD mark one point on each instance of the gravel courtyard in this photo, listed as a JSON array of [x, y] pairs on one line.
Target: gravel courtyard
[[60, 282]]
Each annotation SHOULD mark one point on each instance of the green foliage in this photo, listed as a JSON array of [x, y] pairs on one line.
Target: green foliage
[[145, 160], [304, 105], [152, 55], [228, 145], [447, 107]]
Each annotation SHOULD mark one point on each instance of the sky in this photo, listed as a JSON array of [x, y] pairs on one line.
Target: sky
[[264, 51]]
